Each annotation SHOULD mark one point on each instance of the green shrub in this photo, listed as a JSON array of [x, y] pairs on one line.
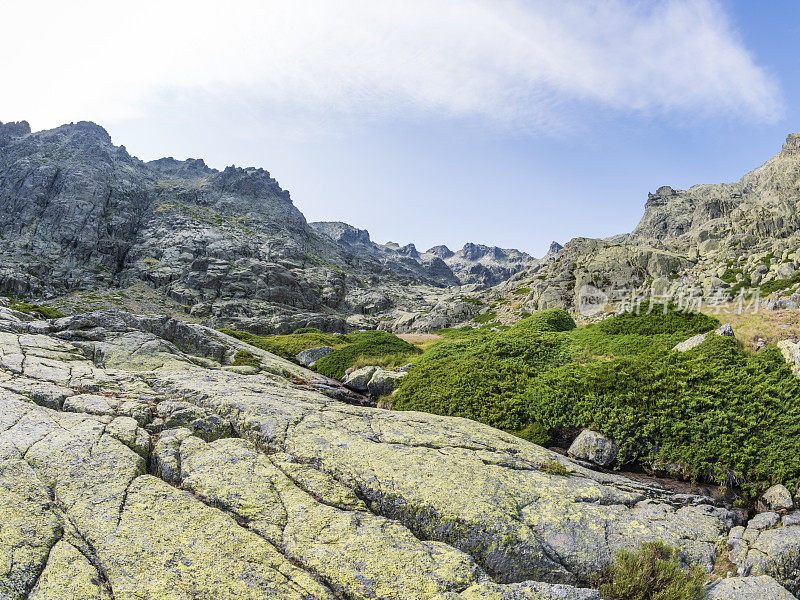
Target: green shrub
[[307, 330], [653, 319], [366, 343], [721, 414], [34, 309], [485, 317], [653, 572], [551, 319], [245, 358], [777, 285]]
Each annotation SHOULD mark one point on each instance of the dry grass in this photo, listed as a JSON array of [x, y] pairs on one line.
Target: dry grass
[[770, 325], [390, 361]]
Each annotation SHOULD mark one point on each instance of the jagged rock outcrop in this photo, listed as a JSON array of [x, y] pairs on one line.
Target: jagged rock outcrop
[[228, 247], [307, 497], [712, 242]]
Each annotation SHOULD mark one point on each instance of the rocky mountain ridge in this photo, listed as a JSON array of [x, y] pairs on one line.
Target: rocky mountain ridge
[[716, 243], [78, 213]]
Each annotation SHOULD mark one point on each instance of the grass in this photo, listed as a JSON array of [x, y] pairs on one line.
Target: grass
[[769, 325], [359, 348]]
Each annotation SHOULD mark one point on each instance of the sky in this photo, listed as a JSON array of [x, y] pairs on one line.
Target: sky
[[503, 122]]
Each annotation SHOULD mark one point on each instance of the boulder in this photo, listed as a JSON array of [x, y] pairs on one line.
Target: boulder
[[777, 498], [692, 342], [357, 380], [307, 358], [594, 447], [383, 383]]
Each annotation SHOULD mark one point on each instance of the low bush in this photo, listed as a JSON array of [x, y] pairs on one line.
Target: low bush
[[307, 330], [653, 572], [551, 319], [654, 319], [365, 343]]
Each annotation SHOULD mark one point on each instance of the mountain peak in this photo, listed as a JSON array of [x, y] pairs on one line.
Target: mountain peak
[[792, 143]]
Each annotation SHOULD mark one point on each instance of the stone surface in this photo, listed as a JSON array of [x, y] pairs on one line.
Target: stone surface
[[306, 498], [312, 355], [776, 498], [594, 447], [748, 588]]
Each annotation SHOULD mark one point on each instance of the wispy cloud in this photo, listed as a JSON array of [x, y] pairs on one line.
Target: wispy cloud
[[527, 65]]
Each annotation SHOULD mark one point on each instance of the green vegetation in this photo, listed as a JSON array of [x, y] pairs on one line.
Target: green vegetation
[[377, 347], [653, 572], [36, 309], [521, 291], [307, 330], [375, 344], [777, 285], [290, 345], [717, 412], [485, 317], [245, 358]]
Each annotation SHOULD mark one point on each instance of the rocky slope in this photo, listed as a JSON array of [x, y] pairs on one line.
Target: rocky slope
[[710, 241], [135, 464], [229, 247]]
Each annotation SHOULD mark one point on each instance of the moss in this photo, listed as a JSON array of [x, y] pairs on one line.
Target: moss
[[36, 309], [245, 358]]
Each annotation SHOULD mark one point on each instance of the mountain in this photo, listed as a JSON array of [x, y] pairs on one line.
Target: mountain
[[85, 224], [714, 242]]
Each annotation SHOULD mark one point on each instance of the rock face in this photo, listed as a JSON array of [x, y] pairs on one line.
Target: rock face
[[306, 497], [710, 242], [229, 247], [769, 545]]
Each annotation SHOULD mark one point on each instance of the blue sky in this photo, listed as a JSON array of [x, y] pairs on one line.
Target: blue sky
[[501, 122]]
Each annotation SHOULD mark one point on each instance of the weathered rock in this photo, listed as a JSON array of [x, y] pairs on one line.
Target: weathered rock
[[69, 576], [358, 379], [308, 357], [383, 382], [747, 588], [776, 498], [594, 447]]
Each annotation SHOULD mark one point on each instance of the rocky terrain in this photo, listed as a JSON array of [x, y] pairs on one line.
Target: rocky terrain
[[715, 242], [135, 462], [85, 223]]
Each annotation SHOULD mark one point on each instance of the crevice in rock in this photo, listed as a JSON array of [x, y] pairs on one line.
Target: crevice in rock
[[244, 523]]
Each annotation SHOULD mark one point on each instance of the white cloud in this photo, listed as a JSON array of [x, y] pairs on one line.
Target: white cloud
[[523, 64]]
